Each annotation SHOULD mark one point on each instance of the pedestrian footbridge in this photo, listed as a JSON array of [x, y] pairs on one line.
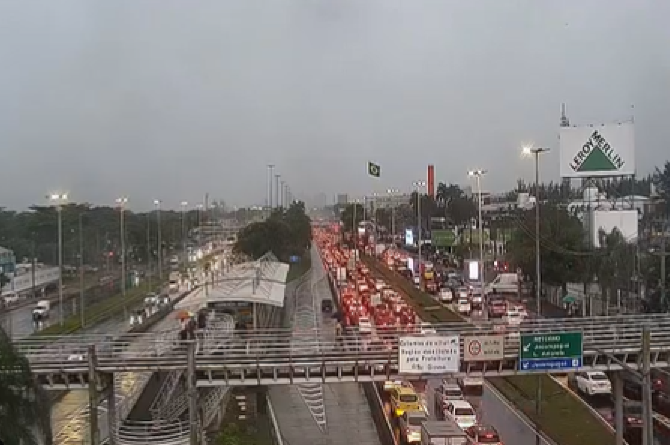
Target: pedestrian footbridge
[[272, 357]]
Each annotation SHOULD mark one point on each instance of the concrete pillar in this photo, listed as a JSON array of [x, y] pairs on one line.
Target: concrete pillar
[[111, 411], [618, 407], [93, 396]]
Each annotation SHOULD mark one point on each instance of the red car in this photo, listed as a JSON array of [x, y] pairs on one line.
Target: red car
[[497, 308], [483, 435]]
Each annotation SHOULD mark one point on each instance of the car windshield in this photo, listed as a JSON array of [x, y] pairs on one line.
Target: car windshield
[[464, 412], [453, 393], [416, 420], [408, 398], [599, 377], [633, 410]]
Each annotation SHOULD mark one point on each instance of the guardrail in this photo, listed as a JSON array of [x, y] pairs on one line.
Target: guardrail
[[384, 427], [270, 349], [150, 432], [277, 438]]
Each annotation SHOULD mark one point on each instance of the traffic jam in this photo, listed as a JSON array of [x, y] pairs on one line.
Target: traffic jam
[[366, 308]]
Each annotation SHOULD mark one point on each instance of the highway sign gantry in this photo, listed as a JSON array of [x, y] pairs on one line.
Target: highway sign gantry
[[551, 351]]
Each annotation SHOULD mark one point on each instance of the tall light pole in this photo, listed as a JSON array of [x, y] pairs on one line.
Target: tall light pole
[[271, 170], [277, 177], [538, 291], [149, 249], [477, 174], [418, 186], [121, 202], [157, 203], [59, 200], [281, 194], [81, 270], [183, 229], [392, 193]]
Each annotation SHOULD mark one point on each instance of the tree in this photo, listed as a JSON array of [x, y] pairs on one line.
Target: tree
[[25, 416], [561, 245], [614, 263], [457, 207], [284, 233]]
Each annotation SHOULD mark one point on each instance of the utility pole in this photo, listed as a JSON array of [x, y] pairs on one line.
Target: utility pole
[[271, 169], [81, 270], [149, 249], [647, 409]]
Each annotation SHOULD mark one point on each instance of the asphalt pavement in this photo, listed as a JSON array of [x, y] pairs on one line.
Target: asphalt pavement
[[18, 322]]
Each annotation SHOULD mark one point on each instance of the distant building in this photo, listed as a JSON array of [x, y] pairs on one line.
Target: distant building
[[342, 199], [7, 261]]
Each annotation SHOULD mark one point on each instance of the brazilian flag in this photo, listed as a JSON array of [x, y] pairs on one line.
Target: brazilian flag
[[374, 170]]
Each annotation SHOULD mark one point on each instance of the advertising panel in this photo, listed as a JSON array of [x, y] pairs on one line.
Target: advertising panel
[[431, 181], [626, 221], [590, 151], [409, 237], [428, 354]]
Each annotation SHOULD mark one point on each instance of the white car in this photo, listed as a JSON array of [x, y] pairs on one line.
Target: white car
[[518, 309], [136, 319], [593, 383], [463, 292], [513, 318], [461, 412], [463, 306], [446, 295]]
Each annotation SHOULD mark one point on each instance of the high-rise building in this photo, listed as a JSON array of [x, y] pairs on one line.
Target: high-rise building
[[342, 199]]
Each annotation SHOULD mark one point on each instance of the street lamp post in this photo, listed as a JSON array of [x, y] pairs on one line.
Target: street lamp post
[[538, 286], [59, 200], [183, 229], [281, 194], [277, 177], [157, 203], [271, 169], [391, 193], [81, 270], [149, 268], [419, 185], [121, 202], [477, 174]]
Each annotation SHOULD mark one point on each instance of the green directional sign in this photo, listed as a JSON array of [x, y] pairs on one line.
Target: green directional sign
[[547, 351], [442, 238]]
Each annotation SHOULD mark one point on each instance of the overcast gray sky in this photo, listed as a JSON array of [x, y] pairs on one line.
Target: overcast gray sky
[[170, 99]]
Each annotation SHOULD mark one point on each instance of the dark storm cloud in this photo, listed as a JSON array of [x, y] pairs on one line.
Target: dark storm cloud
[[168, 99]]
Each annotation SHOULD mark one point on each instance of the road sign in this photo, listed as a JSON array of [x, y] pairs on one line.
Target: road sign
[[550, 351], [428, 354], [483, 347]]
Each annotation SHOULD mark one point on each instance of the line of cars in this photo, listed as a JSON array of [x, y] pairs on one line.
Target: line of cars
[[456, 422]]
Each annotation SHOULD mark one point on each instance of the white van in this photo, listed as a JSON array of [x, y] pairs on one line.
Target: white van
[[505, 283]]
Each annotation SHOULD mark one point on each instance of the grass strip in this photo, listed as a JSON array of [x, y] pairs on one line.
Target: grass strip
[[98, 311], [296, 270], [564, 418], [423, 304]]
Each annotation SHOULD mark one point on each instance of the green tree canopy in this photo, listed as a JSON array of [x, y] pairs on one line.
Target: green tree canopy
[[351, 216], [561, 242], [34, 233], [285, 233]]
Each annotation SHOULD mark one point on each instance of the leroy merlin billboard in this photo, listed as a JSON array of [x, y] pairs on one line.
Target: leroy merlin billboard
[[604, 150]]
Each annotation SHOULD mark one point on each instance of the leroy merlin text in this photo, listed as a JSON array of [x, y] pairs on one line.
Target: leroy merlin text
[[598, 142]]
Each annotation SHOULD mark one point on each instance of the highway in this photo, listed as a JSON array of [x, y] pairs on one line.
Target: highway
[[18, 322]]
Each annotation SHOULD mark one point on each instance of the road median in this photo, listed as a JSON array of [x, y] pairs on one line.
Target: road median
[[566, 420]]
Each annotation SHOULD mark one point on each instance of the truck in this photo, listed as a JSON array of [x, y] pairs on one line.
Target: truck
[[504, 283], [42, 308], [442, 432]]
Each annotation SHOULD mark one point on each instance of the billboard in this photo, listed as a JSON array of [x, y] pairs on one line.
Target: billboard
[[606, 150], [431, 181], [626, 221], [409, 237]]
